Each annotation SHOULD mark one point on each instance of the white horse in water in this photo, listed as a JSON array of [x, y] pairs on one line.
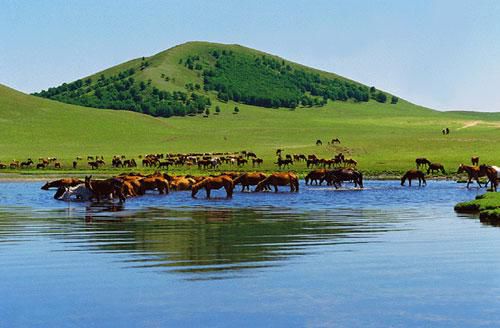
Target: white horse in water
[[79, 193]]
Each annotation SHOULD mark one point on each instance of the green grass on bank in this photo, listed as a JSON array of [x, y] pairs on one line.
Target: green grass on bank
[[487, 205]]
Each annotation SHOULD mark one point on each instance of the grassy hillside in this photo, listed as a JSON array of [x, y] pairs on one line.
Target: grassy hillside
[[381, 137], [185, 80]]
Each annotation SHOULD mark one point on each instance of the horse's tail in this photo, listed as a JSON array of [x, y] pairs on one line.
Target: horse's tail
[[296, 182]]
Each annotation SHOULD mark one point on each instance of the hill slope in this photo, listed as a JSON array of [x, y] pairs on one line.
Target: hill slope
[[380, 138], [188, 78]]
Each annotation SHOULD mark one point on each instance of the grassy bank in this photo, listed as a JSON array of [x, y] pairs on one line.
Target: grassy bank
[[487, 205]]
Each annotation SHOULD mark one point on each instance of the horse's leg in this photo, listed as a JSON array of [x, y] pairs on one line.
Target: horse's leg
[[468, 182], [409, 182], [275, 188], [208, 192]]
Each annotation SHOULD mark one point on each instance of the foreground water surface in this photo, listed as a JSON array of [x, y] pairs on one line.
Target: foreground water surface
[[384, 256]]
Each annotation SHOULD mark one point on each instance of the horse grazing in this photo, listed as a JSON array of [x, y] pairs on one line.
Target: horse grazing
[[336, 177], [319, 143], [435, 167], [249, 179], [67, 182], [316, 176], [493, 174], [210, 183], [283, 162], [26, 164], [280, 179], [108, 188], [475, 160], [422, 161], [473, 172], [336, 140], [257, 161], [413, 174]]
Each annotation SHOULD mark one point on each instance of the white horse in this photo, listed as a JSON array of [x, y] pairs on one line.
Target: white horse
[[79, 192]]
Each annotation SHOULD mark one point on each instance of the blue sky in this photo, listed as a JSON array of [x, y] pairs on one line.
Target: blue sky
[[440, 54]]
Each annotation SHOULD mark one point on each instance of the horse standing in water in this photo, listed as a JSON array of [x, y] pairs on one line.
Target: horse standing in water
[[414, 174], [222, 181], [279, 179], [474, 172]]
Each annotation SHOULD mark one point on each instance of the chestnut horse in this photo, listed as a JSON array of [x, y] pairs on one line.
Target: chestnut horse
[[68, 182], [413, 174], [210, 183], [152, 183], [474, 172], [249, 179], [280, 179]]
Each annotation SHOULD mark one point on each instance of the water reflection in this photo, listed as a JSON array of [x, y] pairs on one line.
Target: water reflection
[[199, 243]]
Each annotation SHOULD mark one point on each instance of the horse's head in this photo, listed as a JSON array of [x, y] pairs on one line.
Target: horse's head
[[460, 169], [46, 186], [88, 184], [194, 189]]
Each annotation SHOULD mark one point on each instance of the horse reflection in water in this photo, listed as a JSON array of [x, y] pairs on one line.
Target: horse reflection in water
[[99, 212]]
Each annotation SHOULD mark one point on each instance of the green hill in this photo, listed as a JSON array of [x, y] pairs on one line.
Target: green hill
[[186, 79], [382, 137]]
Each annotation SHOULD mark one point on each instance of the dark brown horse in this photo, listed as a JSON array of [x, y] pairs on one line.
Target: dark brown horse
[[108, 188], [422, 161], [336, 177], [433, 167], [473, 172], [316, 176], [249, 179], [280, 179], [413, 174], [210, 183], [475, 160]]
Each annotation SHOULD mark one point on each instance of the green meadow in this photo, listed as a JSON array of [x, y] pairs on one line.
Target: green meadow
[[382, 138]]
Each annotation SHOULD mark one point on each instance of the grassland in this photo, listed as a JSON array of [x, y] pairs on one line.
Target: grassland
[[384, 138]]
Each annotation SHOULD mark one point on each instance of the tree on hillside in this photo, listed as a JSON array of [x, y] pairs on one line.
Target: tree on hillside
[[394, 100], [217, 109], [381, 97], [236, 109]]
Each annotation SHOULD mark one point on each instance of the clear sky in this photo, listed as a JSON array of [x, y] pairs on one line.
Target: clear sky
[[440, 54]]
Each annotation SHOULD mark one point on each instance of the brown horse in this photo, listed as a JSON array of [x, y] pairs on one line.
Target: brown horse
[[474, 172], [422, 161], [67, 182], [413, 174], [493, 174], [280, 179], [151, 183], [336, 177], [210, 183], [257, 161], [105, 188], [475, 160], [316, 176], [181, 183], [249, 179], [435, 167]]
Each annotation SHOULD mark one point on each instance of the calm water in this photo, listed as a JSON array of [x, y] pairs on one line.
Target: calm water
[[384, 256]]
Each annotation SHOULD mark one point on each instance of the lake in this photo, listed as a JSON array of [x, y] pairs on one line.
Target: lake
[[384, 256]]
